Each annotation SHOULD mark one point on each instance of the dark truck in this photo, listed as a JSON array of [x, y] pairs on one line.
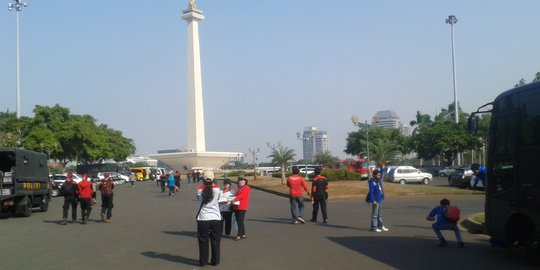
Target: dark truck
[[93, 169], [24, 181]]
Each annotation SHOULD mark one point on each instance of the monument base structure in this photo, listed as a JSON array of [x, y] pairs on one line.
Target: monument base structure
[[199, 160]]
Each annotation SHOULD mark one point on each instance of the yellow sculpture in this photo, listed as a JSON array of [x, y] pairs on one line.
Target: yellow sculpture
[[191, 4]]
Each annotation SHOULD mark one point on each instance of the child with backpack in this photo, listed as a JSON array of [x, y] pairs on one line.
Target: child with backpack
[[447, 218]]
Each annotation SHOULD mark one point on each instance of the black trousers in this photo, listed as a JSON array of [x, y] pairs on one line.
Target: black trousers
[[209, 230], [240, 215], [107, 205], [316, 203], [70, 200], [86, 207], [227, 220]]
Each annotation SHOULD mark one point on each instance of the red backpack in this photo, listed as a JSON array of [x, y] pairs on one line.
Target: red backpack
[[451, 213]]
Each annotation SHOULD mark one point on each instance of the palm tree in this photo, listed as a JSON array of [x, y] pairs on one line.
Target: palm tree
[[383, 150], [282, 156], [326, 159]]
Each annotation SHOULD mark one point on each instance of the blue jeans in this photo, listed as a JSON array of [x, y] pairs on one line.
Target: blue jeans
[[376, 216], [297, 202], [446, 226]]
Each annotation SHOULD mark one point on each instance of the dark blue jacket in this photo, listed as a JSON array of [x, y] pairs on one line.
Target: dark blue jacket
[[376, 192]]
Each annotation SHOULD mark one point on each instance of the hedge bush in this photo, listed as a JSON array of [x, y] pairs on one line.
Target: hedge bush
[[331, 175]]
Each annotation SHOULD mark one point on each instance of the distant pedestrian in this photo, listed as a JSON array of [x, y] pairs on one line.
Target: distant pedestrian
[[319, 195], [132, 179], [188, 175], [209, 220], [479, 174], [177, 179], [295, 182], [162, 181], [376, 196], [240, 205], [443, 223], [106, 187], [197, 176], [70, 192], [87, 197], [227, 194], [170, 184]]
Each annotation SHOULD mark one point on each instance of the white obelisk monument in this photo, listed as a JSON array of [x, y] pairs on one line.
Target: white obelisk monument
[[196, 155], [196, 140]]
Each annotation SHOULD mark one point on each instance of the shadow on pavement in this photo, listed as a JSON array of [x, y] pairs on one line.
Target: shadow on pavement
[[423, 253], [182, 233], [170, 257], [57, 222], [272, 220]]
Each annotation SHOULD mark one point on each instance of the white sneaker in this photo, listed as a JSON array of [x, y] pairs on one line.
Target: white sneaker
[[385, 229], [301, 220], [376, 230]]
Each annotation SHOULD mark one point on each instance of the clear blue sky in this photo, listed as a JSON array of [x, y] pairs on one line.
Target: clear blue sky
[[270, 68]]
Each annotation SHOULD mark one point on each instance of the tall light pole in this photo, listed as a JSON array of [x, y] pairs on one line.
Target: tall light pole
[[254, 152], [453, 20], [17, 5], [355, 122]]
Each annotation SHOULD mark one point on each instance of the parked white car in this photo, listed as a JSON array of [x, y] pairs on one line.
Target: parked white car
[[309, 171], [117, 177], [407, 174], [59, 179]]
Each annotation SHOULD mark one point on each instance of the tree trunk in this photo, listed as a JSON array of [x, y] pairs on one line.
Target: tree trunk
[[282, 175]]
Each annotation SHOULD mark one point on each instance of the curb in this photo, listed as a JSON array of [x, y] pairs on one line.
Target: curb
[[472, 226]]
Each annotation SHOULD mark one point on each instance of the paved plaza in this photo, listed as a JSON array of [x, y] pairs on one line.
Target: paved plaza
[[152, 231]]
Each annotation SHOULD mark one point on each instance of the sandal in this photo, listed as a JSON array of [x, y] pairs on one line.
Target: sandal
[[238, 238]]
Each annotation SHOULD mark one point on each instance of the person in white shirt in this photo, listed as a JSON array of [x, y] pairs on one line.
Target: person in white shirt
[[227, 195], [209, 219]]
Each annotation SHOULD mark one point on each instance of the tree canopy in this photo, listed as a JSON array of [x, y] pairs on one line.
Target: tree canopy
[[64, 137]]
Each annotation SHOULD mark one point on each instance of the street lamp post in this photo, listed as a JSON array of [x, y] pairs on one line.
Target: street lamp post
[[254, 152], [365, 126], [17, 5], [453, 20]]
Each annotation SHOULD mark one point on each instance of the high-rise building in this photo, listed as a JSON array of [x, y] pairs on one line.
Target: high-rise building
[[315, 141], [390, 120]]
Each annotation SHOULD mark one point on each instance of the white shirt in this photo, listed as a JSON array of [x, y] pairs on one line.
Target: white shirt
[[228, 196], [210, 210]]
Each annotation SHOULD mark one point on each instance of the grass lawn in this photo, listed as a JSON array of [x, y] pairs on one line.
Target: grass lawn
[[356, 188]]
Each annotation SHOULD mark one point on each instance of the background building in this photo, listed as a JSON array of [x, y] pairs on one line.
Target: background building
[[314, 142], [390, 120]]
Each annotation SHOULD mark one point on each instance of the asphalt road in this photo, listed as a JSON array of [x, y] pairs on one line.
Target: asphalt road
[[152, 231]]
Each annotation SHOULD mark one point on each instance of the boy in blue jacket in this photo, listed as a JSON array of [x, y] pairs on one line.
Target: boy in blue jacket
[[443, 223], [376, 196]]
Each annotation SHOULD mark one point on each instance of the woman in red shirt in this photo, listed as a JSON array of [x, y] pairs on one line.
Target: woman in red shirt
[[240, 203]]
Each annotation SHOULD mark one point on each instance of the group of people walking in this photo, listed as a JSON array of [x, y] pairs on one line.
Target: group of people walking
[[85, 194], [219, 207]]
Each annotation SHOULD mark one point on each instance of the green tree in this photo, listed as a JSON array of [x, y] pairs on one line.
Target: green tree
[[282, 156], [444, 139], [65, 137], [326, 159], [384, 144], [521, 82]]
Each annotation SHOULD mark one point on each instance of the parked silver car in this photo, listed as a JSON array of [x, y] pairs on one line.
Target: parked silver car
[[407, 174], [447, 171]]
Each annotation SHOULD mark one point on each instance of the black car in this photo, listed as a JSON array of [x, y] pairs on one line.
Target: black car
[[461, 177]]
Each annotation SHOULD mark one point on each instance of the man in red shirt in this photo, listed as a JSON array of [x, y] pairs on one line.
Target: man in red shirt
[[295, 182], [86, 195]]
